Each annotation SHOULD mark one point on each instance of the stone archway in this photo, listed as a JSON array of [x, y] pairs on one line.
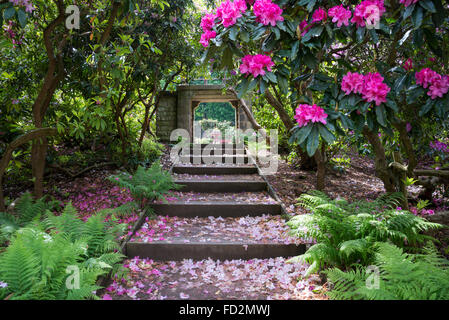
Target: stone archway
[[176, 110]]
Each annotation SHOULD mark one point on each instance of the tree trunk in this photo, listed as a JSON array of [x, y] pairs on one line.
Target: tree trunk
[[53, 77], [4, 162], [382, 169], [321, 170], [407, 147], [305, 162]]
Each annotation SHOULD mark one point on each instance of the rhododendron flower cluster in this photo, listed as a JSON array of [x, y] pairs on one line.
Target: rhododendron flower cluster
[[438, 85], [319, 15], [208, 22], [26, 3], [375, 90], [206, 36], [256, 64], [352, 83], [371, 86], [267, 12], [425, 77], [407, 3], [368, 12], [306, 113], [340, 15], [228, 12]]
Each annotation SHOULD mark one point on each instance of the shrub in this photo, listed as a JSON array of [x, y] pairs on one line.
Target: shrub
[[35, 265], [346, 232], [146, 185], [402, 276], [26, 210], [150, 151]]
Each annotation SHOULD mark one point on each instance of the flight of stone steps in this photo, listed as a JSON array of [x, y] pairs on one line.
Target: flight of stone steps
[[215, 186]]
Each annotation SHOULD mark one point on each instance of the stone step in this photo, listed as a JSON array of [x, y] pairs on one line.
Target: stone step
[[222, 186], [217, 146], [225, 209], [175, 251], [220, 159], [215, 170]]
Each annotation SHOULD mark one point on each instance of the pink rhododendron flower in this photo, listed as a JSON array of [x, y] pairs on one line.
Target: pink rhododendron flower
[[407, 3], [255, 65], [352, 83], [306, 113], [241, 5], [408, 64], [206, 36], [340, 15], [228, 12], [425, 77], [439, 87], [208, 22], [375, 90], [371, 86], [319, 15], [267, 12], [368, 12]]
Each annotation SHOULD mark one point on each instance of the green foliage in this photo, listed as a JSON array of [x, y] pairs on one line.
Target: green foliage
[[402, 276], [26, 211], [341, 163], [346, 232], [146, 185], [39, 259], [219, 111]]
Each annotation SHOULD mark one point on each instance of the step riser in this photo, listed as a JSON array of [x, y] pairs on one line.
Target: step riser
[[214, 160], [227, 187], [214, 210], [199, 251], [214, 170]]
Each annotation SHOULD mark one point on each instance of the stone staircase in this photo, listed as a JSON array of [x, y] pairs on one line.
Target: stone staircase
[[225, 179]]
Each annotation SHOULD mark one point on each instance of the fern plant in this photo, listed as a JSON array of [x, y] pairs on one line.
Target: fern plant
[[401, 276], [34, 266], [26, 210], [346, 232], [146, 185]]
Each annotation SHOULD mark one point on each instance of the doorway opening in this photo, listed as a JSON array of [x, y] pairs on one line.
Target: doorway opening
[[212, 120]]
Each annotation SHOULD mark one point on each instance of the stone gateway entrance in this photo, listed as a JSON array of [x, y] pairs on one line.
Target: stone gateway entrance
[[176, 109]]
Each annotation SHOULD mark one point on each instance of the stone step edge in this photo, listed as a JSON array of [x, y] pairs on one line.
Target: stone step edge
[[218, 170], [216, 209], [222, 186], [175, 251]]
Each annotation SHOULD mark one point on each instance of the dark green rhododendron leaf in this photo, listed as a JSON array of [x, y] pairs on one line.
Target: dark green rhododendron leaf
[[313, 141], [326, 134]]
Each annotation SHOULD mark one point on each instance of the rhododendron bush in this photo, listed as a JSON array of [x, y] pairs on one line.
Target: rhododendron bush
[[370, 66]]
